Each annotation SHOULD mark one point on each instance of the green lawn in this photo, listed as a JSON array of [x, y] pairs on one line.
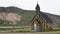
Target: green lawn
[[20, 29]]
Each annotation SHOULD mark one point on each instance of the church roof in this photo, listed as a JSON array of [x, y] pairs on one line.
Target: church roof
[[46, 17]]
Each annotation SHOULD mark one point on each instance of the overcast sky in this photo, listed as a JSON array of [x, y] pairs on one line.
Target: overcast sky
[[50, 6]]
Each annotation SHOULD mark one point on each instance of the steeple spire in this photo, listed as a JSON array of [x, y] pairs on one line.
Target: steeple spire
[[37, 6], [37, 2]]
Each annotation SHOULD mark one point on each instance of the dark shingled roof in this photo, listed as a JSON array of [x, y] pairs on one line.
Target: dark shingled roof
[[46, 17], [48, 20]]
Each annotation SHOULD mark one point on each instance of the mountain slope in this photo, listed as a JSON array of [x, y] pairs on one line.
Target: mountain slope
[[27, 15]]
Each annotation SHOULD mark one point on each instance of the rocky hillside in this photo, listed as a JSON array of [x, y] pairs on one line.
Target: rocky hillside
[[27, 15]]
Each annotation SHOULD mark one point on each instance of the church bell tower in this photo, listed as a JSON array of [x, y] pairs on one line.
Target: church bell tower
[[37, 8]]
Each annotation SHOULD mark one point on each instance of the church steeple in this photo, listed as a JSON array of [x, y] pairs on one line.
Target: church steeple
[[37, 8]]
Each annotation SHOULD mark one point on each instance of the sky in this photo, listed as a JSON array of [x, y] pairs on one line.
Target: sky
[[49, 6]]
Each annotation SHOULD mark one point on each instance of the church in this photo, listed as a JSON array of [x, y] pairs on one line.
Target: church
[[41, 22]]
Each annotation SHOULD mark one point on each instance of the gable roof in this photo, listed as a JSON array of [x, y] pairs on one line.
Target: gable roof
[[48, 20]]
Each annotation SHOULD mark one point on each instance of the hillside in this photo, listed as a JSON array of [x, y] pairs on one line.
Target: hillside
[[27, 15]]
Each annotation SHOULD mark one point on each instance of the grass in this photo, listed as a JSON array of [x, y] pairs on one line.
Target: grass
[[25, 30], [21, 29], [53, 30], [16, 29], [56, 29]]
